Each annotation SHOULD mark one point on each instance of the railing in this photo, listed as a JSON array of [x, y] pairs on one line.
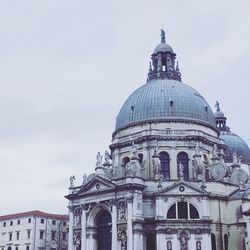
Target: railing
[[168, 133]]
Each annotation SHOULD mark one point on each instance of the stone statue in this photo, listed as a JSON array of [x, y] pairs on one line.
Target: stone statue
[[71, 180], [98, 160], [156, 167], [134, 149], [106, 156], [84, 179], [183, 241], [155, 146], [181, 171], [217, 105]]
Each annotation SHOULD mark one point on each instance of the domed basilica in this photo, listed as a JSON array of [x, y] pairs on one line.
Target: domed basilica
[[174, 178]]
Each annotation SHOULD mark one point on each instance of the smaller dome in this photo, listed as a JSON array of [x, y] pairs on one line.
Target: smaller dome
[[163, 47], [235, 144], [219, 114]]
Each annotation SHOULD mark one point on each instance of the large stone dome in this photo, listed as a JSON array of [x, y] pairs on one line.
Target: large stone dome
[[235, 144], [165, 100]]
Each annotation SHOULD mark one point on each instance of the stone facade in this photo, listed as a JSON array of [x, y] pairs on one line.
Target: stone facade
[[165, 184]]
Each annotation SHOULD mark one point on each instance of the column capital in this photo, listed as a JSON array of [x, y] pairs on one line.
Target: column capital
[[129, 197], [71, 208]]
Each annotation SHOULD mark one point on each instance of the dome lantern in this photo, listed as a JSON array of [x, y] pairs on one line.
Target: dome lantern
[[163, 62]]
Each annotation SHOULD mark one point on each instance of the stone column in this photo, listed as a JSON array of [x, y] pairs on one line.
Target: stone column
[[114, 225], [206, 241], [129, 222], [173, 164], [71, 221], [83, 232], [160, 241]]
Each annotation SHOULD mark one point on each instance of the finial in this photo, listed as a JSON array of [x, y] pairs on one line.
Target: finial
[[217, 105], [163, 36], [177, 66], [150, 67]]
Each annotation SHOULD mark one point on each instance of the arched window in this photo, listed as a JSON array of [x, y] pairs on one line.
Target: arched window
[[104, 230], [213, 241], [182, 158], [182, 210], [9, 248], [225, 241], [165, 168], [27, 248], [125, 160], [16, 248]]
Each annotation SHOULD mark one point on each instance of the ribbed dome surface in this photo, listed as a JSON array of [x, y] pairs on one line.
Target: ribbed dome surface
[[165, 99], [163, 47], [235, 144]]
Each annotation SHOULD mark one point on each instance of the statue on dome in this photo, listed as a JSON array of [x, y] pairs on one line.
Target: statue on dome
[[217, 105], [163, 36]]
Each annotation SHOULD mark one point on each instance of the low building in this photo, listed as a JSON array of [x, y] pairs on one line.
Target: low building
[[34, 230]]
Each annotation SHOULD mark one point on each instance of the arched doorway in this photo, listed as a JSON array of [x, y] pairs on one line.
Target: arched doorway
[[103, 230]]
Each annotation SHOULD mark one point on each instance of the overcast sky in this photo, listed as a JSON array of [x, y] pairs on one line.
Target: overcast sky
[[66, 68]]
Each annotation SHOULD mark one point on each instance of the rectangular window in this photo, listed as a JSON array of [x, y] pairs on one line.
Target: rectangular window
[[28, 234], [10, 236], [64, 223], [4, 224], [41, 235], [29, 220], [17, 235], [42, 221], [18, 222], [11, 223], [53, 235], [53, 222]]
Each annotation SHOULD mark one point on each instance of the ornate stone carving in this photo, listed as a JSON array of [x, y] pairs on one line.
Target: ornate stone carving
[[77, 239], [106, 159], [169, 245], [122, 237], [181, 171], [239, 176], [183, 237], [218, 171], [198, 245], [77, 216], [84, 179], [122, 210], [98, 160]]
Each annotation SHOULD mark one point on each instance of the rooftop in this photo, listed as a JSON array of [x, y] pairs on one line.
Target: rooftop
[[35, 213]]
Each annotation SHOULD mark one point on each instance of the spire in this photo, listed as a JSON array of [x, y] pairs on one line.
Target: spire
[[177, 67], [163, 36]]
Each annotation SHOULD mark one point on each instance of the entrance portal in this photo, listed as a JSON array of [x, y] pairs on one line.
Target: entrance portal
[[104, 231]]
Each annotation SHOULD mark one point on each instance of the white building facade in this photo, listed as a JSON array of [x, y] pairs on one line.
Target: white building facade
[[34, 230], [176, 177]]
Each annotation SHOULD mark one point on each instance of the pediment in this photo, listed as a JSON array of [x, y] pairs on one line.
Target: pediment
[[97, 184], [182, 188]]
